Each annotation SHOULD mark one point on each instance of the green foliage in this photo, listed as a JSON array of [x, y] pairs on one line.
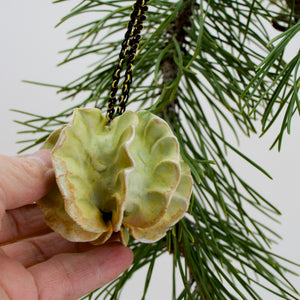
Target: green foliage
[[210, 70], [278, 95]]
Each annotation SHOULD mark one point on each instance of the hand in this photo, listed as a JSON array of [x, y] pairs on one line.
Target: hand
[[35, 262]]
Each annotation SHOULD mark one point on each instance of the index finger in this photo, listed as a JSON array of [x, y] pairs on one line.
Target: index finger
[[25, 179]]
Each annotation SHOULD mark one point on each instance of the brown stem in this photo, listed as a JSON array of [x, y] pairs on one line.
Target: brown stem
[[296, 10], [169, 67], [296, 6]]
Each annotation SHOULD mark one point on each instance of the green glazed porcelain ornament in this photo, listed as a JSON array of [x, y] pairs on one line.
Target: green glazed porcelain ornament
[[125, 176]]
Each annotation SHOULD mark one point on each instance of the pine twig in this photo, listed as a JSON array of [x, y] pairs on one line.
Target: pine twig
[[169, 68]]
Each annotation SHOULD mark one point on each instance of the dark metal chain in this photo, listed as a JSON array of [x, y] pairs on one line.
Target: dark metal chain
[[128, 50]]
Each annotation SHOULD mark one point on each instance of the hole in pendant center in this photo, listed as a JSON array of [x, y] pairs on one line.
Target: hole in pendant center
[[107, 216]]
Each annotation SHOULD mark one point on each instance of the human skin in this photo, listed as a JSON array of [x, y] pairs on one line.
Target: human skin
[[37, 263]]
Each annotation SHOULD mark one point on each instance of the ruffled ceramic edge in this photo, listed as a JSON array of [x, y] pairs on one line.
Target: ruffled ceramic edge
[[62, 174], [69, 191], [149, 195], [182, 196], [52, 205]]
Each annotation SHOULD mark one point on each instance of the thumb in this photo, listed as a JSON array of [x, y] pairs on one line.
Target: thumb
[[25, 179]]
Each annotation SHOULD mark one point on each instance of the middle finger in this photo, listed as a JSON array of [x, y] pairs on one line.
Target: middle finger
[[22, 222], [38, 249]]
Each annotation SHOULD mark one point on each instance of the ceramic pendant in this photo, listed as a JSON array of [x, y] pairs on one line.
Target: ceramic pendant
[[125, 176]]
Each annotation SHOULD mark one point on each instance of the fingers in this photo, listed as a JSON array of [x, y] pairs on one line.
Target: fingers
[[70, 276], [67, 276], [25, 179], [15, 281], [22, 222], [3, 294], [35, 250]]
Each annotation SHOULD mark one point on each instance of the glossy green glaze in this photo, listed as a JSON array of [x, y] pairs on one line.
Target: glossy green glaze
[[128, 174]]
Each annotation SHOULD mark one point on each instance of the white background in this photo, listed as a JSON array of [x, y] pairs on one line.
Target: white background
[[29, 50]]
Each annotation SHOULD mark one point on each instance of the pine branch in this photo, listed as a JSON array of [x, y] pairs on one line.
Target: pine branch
[[169, 69], [279, 94], [194, 63]]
